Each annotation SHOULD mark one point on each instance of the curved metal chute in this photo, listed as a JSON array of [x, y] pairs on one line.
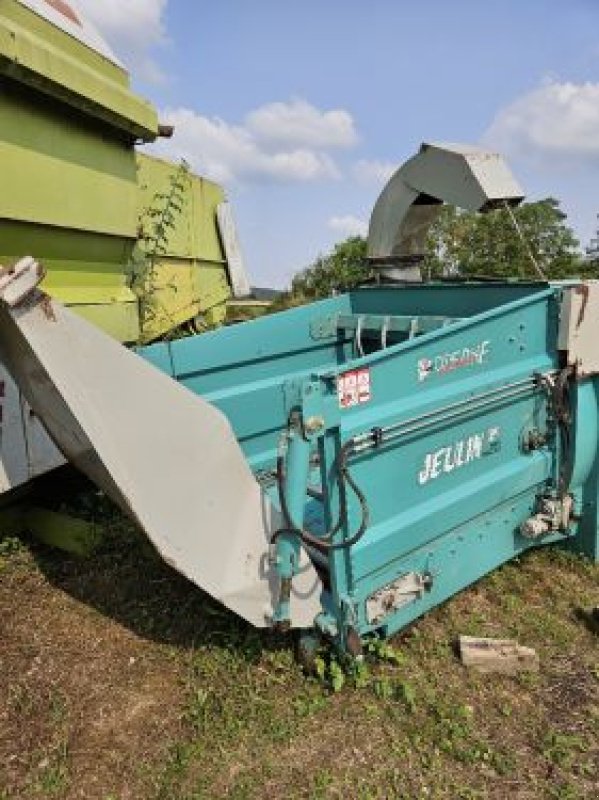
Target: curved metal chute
[[167, 457], [463, 175]]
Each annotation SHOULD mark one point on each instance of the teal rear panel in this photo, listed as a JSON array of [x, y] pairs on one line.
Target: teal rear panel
[[460, 401]]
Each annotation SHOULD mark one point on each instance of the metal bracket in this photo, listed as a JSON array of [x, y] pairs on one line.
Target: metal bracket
[[324, 327], [406, 589], [18, 282], [579, 327], [307, 395]]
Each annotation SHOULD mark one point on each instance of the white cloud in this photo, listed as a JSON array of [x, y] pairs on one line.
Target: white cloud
[[373, 172], [230, 152], [557, 119], [349, 225], [300, 123], [131, 28]]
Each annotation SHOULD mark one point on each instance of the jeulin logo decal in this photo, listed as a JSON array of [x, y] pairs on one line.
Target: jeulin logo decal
[[454, 456]]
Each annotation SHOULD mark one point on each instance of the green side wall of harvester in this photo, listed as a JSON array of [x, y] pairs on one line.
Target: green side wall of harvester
[[128, 241]]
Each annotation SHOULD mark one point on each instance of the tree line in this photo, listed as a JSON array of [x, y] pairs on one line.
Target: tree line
[[502, 244]]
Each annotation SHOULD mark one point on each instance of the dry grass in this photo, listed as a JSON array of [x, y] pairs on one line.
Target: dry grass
[[119, 680]]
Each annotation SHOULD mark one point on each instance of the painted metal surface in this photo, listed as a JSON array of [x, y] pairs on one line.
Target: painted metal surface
[[169, 459], [43, 57], [349, 464], [63, 172], [455, 438], [187, 277], [66, 533], [64, 16], [26, 450], [80, 190], [462, 175], [579, 327], [232, 247], [73, 175]]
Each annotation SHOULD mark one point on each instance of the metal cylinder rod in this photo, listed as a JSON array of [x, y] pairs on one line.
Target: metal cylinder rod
[[288, 545]]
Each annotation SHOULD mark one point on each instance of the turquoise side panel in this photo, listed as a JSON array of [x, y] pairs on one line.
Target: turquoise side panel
[[443, 391], [242, 369]]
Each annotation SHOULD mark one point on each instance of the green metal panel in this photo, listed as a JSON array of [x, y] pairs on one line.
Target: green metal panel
[[55, 529], [184, 276], [40, 55], [176, 290], [205, 243], [79, 191], [119, 319], [14, 13], [73, 198], [75, 260], [84, 270], [62, 169], [194, 234]]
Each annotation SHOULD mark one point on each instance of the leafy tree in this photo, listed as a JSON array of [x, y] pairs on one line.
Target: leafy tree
[[468, 244], [342, 269], [462, 243]]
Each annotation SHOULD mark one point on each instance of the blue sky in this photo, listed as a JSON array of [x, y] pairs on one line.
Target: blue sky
[[302, 109]]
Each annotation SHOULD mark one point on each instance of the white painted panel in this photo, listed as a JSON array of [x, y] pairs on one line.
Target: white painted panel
[[228, 234], [168, 457], [14, 469], [579, 327], [26, 450], [85, 32]]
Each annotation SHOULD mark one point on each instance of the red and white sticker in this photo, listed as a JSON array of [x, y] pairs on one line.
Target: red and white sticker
[[353, 388]]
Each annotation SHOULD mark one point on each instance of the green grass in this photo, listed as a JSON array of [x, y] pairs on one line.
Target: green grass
[[145, 688]]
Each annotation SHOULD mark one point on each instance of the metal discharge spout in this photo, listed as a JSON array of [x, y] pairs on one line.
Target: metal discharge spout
[[465, 176]]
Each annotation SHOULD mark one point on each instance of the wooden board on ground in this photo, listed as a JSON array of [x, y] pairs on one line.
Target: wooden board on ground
[[497, 655]]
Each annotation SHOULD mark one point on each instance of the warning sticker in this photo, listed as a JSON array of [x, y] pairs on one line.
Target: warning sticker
[[353, 388]]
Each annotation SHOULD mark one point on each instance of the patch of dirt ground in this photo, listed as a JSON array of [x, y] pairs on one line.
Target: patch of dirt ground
[[87, 705]]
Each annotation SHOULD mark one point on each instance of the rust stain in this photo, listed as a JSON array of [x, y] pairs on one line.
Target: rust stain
[[45, 303], [65, 9], [584, 291]]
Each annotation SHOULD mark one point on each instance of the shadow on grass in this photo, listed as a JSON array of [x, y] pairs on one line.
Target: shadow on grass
[[589, 618], [127, 580]]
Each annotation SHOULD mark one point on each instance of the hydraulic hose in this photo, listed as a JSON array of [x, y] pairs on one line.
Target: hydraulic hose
[[324, 542], [559, 395]]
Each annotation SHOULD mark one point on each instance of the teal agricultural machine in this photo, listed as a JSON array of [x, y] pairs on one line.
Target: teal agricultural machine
[[350, 464]]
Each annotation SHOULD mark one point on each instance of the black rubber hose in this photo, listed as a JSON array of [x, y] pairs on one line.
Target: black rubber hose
[[559, 398], [324, 542], [290, 527]]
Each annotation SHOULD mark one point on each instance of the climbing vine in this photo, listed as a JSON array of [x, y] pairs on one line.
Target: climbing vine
[[160, 217], [156, 223]]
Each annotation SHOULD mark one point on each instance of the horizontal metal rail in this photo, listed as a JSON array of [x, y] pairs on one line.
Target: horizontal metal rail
[[377, 436], [394, 323]]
